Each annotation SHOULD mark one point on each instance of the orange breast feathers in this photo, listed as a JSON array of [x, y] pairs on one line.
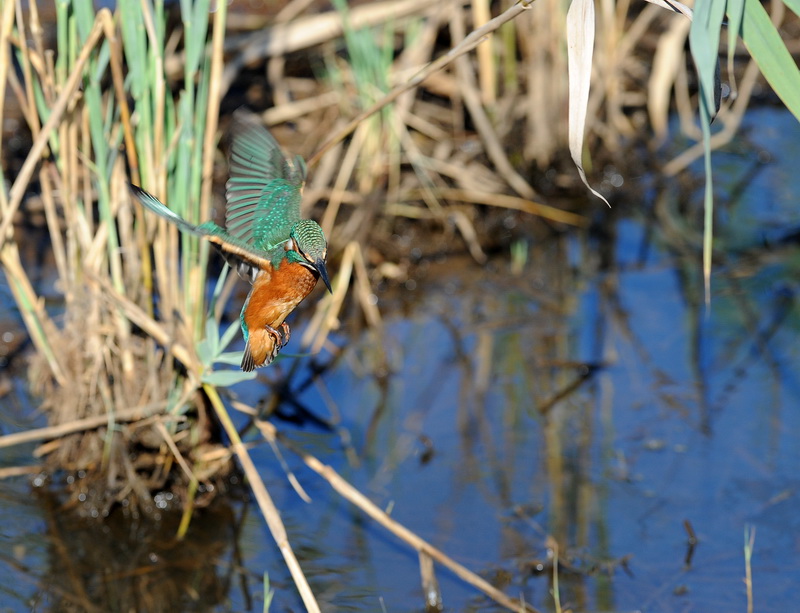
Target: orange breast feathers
[[271, 300]]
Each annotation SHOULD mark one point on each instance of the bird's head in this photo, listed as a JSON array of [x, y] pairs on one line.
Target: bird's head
[[307, 240]]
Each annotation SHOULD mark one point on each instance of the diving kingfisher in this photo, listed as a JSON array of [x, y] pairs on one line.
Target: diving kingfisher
[[280, 254]]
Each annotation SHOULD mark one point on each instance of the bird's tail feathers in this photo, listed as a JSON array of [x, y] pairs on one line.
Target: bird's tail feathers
[[248, 364]]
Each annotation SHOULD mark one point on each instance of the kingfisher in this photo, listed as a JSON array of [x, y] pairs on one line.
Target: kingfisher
[[265, 239]]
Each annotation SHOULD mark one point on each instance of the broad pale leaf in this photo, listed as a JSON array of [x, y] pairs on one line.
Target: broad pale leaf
[[580, 45], [226, 339], [224, 378], [212, 335], [234, 358]]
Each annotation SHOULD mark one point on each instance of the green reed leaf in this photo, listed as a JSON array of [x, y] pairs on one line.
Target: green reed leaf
[[770, 53]]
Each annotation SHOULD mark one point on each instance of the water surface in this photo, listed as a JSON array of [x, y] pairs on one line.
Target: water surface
[[591, 397]]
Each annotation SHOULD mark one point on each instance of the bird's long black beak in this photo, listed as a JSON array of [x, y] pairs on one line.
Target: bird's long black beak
[[319, 264]]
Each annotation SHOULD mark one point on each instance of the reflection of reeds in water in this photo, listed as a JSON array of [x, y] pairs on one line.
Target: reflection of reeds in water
[[139, 566]]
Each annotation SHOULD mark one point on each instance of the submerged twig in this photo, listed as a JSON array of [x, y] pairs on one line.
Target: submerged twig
[[749, 544], [19, 471], [265, 503], [430, 585]]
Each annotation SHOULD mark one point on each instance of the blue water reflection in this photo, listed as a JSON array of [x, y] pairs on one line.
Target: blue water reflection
[[592, 399]]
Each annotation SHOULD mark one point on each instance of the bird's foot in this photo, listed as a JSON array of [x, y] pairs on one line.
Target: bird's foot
[[280, 339], [275, 334], [272, 352]]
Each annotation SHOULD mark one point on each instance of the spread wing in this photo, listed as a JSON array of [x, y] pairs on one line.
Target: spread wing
[[264, 189], [234, 249]]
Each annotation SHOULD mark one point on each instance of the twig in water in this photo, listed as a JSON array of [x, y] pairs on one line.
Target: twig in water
[[749, 542], [350, 493], [79, 425], [265, 503]]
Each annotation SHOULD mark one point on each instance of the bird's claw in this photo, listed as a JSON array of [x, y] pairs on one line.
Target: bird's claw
[[280, 339]]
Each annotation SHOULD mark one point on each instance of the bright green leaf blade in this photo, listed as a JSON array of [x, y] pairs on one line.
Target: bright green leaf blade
[[212, 335], [268, 593], [205, 352], [234, 358], [176, 403], [794, 5], [227, 337], [224, 378], [769, 51], [84, 18], [704, 42], [223, 275], [735, 11]]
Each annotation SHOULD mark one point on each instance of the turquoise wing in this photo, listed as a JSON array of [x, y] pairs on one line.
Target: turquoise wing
[[229, 245], [265, 188]]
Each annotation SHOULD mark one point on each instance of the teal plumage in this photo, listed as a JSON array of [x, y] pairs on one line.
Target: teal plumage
[[264, 236], [264, 190]]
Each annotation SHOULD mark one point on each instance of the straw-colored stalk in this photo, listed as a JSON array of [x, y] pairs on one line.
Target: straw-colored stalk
[[95, 361]]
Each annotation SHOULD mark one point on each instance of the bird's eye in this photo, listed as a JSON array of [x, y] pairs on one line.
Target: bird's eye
[[304, 255]]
